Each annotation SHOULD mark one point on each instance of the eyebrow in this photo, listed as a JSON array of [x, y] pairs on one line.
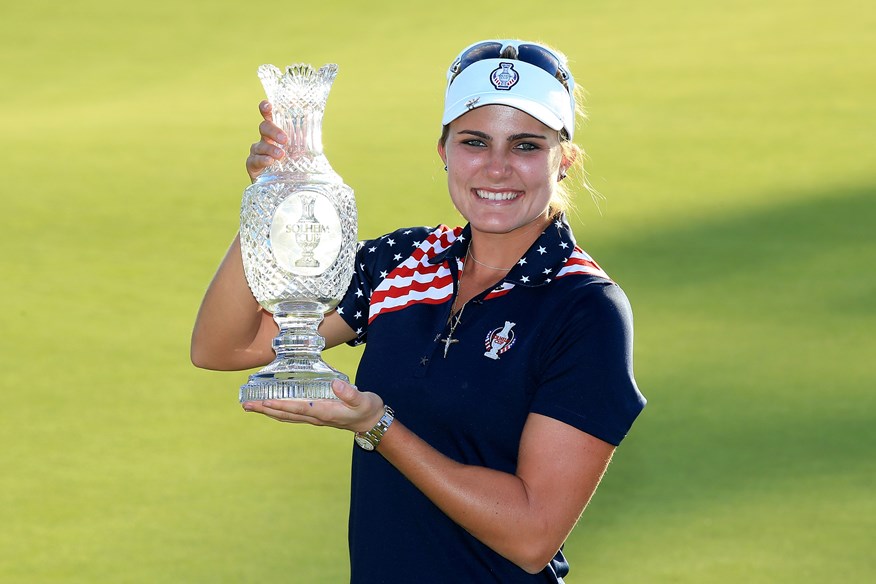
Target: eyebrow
[[511, 138]]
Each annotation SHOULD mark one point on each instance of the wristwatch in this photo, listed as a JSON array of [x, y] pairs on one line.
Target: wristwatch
[[370, 439]]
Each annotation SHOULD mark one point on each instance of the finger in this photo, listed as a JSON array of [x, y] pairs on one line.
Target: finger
[[349, 394], [264, 148], [262, 155], [366, 407], [266, 110], [281, 412], [272, 132], [255, 165]]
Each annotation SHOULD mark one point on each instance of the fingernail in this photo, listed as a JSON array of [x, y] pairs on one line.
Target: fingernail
[[281, 137], [247, 407]]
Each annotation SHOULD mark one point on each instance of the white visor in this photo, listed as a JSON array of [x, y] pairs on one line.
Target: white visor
[[513, 83]]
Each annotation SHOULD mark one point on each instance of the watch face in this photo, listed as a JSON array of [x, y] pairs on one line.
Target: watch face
[[364, 443]]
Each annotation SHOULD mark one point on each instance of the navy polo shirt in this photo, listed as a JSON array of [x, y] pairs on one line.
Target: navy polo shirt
[[554, 337]]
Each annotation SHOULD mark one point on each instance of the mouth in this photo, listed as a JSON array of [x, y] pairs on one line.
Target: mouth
[[497, 195]]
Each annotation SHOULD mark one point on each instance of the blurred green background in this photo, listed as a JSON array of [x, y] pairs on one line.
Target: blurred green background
[[733, 142]]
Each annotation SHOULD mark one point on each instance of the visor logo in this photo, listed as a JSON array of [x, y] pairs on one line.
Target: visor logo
[[504, 77]]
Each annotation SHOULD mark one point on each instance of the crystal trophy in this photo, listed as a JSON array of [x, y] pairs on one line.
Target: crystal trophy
[[298, 238]]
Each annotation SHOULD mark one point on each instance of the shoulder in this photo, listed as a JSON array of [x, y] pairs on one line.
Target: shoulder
[[589, 298], [584, 308]]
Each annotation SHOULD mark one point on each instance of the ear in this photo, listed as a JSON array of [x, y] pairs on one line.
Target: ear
[[570, 155], [442, 152]]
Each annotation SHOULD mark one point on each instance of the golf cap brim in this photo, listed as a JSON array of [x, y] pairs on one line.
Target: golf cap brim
[[513, 83]]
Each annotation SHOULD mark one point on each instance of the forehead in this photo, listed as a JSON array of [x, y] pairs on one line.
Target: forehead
[[499, 120]]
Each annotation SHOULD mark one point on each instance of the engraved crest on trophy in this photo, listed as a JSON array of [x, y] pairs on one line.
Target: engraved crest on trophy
[[298, 238], [307, 231]]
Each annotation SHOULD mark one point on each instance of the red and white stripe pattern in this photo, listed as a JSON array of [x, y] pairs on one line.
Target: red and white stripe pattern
[[415, 280], [581, 263]]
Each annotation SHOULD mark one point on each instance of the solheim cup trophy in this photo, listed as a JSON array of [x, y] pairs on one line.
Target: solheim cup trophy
[[298, 238]]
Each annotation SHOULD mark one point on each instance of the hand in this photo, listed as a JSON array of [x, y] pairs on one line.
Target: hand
[[263, 153], [358, 411]]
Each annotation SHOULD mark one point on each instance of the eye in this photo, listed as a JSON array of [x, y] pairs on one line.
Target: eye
[[477, 143], [527, 146]]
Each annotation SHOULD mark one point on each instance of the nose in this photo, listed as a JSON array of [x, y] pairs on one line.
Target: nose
[[499, 164]]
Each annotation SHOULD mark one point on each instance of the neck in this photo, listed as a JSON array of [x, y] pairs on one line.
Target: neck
[[501, 251], [480, 263]]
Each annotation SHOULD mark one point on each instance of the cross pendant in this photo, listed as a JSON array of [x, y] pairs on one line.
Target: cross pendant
[[447, 342]]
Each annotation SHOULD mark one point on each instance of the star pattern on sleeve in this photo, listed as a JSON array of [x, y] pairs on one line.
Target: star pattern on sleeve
[[376, 259]]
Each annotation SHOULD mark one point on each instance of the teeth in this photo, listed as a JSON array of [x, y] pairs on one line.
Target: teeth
[[490, 195]]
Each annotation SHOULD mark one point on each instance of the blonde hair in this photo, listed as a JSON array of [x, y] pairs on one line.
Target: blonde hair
[[562, 201]]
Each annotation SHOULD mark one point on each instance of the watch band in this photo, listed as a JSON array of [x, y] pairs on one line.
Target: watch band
[[370, 439]]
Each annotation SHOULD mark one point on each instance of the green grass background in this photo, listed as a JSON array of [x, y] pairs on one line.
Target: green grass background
[[733, 142]]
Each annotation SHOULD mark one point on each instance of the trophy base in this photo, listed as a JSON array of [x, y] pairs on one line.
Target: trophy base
[[298, 372], [303, 385]]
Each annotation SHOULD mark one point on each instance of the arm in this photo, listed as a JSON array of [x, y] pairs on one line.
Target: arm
[[232, 331], [525, 516]]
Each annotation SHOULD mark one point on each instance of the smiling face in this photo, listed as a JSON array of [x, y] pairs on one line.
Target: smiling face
[[502, 168]]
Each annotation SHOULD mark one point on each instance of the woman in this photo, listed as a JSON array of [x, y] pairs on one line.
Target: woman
[[504, 351]]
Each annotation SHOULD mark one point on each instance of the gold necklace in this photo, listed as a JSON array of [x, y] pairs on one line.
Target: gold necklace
[[480, 263]]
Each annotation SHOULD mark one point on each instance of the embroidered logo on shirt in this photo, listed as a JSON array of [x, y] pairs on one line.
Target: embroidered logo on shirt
[[499, 340]]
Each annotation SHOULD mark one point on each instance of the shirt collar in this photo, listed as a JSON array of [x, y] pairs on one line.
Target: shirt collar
[[538, 265]]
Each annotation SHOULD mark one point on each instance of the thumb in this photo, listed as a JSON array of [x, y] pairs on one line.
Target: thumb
[[347, 393]]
